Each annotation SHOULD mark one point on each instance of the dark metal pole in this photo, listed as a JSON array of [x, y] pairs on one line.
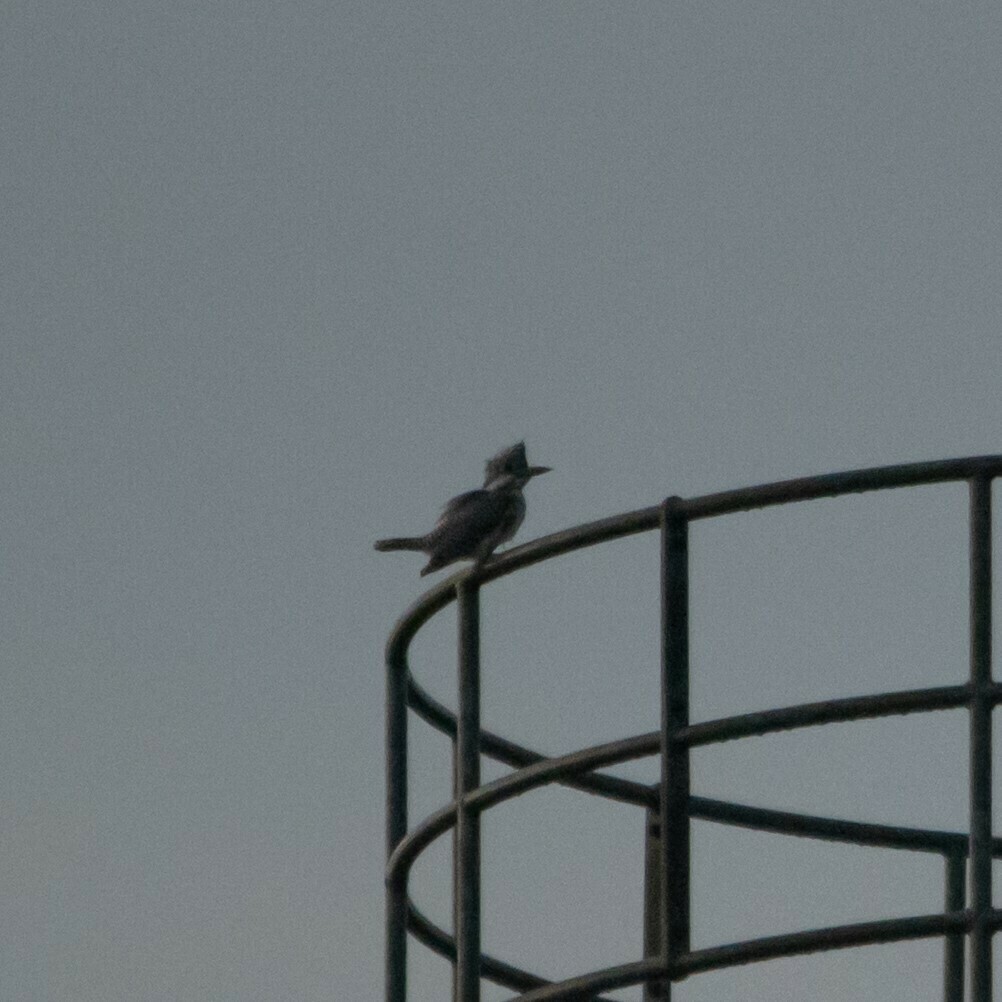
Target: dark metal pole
[[466, 889], [953, 942], [981, 738], [674, 716], [396, 825], [654, 892]]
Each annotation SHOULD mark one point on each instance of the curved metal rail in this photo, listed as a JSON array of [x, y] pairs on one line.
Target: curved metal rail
[[670, 806]]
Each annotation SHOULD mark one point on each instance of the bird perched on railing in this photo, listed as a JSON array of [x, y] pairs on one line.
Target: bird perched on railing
[[474, 524]]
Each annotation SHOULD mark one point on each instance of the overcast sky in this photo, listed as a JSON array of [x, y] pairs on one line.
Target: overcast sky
[[278, 278]]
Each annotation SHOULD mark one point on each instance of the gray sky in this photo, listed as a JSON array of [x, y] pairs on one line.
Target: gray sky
[[279, 277]]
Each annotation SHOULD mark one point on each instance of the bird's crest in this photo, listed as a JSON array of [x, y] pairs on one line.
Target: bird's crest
[[510, 460]]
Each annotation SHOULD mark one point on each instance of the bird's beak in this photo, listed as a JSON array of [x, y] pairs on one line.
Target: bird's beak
[[534, 471]]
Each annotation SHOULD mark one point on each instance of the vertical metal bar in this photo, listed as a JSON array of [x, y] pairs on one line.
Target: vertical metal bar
[[981, 738], [675, 825], [654, 991], [396, 825], [953, 943], [653, 891], [466, 887]]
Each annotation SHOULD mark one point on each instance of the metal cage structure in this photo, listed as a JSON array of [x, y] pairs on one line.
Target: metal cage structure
[[965, 926]]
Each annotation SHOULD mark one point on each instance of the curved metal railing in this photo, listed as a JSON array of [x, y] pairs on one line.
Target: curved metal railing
[[670, 805]]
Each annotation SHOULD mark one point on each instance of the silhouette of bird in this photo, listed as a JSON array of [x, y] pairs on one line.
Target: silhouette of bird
[[474, 524]]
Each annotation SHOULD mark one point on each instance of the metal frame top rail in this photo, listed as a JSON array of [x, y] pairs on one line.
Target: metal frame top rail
[[675, 959], [705, 506]]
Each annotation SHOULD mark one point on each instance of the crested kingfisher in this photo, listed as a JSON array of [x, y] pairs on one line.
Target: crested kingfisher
[[474, 524]]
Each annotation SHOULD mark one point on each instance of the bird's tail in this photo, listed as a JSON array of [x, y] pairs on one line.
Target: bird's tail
[[402, 543]]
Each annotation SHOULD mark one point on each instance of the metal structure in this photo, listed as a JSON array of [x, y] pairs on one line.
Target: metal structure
[[968, 917]]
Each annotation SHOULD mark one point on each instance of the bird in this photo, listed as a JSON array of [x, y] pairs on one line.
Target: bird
[[472, 525]]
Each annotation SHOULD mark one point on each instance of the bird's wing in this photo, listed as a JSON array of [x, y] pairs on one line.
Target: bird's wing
[[463, 501], [473, 514]]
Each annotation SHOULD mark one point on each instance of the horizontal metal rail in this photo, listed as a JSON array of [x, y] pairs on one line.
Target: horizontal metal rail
[[753, 950], [706, 506], [557, 770], [787, 718], [824, 829], [832, 711]]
